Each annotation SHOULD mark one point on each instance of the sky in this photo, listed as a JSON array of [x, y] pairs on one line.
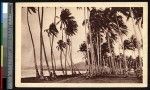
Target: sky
[[5, 7], [26, 45]]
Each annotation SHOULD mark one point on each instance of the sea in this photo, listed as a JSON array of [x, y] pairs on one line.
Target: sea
[[31, 73]]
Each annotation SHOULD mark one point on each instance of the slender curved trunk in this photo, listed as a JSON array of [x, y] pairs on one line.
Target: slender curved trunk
[[87, 51], [66, 57], [110, 52], [41, 25], [100, 56], [55, 66], [70, 49], [61, 62], [53, 40], [46, 60], [52, 57], [61, 52], [91, 45], [98, 53], [67, 61], [35, 61]]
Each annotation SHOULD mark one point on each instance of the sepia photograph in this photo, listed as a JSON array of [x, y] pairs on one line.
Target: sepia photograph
[[81, 44]]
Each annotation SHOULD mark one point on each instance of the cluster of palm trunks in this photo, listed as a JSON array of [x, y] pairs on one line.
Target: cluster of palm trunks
[[102, 28]]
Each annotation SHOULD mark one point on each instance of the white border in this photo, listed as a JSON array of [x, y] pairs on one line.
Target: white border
[[80, 4]]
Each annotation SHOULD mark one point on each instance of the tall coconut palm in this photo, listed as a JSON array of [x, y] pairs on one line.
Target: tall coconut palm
[[70, 28], [85, 21], [61, 46], [120, 27], [52, 32], [114, 24], [96, 27], [136, 15], [102, 23], [92, 52], [97, 24], [29, 9], [83, 49], [42, 45]]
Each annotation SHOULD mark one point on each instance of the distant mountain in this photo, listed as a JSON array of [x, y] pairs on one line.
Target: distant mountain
[[80, 65]]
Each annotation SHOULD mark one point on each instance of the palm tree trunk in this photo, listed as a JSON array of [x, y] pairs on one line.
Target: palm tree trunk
[[86, 41], [52, 56], [53, 42], [110, 52], [61, 52], [91, 45], [65, 63], [100, 56], [66, 57], [70, 49], [55, 66], [41, 25], [61, 62], [98, 53], [48, 67], [35, 62]]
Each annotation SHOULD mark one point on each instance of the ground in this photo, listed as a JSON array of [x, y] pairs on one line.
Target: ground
[[80, 79]]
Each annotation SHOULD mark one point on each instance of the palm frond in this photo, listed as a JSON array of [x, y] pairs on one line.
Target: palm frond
[[31, 9]]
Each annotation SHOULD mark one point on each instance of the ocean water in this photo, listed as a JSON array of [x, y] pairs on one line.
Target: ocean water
[[31, 73]]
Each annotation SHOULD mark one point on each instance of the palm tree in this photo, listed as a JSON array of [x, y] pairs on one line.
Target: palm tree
[[29, 9], [97, 24], [52, 31], [86, 42], [70, 28], [46, 60], [83, 49], [120, 28], [61, 46], [92, 52], [42, 44], [105, 27], [135, 13]]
